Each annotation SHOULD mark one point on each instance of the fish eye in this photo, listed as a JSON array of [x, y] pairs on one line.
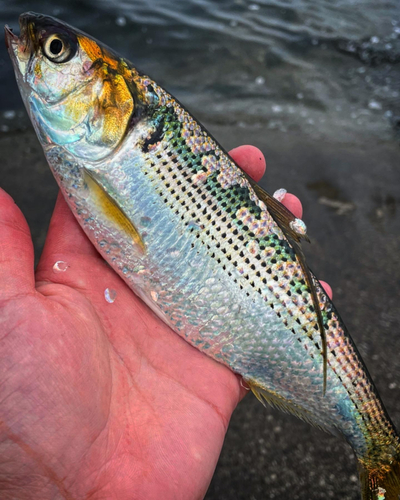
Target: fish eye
[[57, 49]]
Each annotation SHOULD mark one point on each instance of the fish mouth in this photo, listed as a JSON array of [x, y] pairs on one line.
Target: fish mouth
[[20, 48], [10, 37]]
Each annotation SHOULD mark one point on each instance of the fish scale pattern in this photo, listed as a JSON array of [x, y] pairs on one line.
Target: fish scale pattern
[[211, 253], [208, 192]]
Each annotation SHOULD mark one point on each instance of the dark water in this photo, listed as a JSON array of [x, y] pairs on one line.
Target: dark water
[[327, 68], [316, 85]]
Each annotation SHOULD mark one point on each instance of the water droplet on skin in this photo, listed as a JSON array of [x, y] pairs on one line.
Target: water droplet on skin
[[60, 266], [110, 295], [280, 194], [154, 295], [392, 385]]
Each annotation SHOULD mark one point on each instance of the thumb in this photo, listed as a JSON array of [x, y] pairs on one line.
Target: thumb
[[16, 250]]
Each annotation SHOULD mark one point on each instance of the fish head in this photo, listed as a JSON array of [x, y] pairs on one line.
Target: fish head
[[79, 94]]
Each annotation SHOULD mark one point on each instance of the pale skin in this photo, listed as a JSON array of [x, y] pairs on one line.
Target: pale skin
[[99, 400]]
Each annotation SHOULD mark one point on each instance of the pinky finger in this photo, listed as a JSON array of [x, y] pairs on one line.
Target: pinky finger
[[327, 288], [293, 204]]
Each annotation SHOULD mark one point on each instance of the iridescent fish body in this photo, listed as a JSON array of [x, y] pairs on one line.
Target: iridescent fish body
[[216, 257]]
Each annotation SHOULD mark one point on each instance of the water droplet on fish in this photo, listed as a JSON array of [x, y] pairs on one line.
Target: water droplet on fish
[[154, 295], [298, 226], [254, 6], [110, 295], [60, 266], [280, 194], [120, 21]]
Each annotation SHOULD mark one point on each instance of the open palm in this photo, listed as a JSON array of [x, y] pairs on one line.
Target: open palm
[[97, 399]]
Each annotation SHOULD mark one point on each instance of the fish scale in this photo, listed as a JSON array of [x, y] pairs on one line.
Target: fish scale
[[211, 253], [173, 179]]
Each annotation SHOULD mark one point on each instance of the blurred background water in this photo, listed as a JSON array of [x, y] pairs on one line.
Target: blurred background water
[[329, 68], [316, 85]]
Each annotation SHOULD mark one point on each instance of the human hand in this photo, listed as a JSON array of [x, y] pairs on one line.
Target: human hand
[[98, 399]]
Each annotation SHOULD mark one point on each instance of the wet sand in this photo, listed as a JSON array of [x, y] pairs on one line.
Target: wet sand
[[351, 202]]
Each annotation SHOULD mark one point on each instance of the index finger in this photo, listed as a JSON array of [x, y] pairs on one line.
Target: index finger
[[250, 159]]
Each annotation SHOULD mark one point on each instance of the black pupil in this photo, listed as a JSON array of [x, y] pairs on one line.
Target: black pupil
[[56, 47]]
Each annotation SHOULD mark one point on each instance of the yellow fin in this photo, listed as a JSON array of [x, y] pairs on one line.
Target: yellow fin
[[287, 406], [283, 217], [112, 210]]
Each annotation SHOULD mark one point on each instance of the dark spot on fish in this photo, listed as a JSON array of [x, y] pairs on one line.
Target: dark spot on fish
[[155, 137]]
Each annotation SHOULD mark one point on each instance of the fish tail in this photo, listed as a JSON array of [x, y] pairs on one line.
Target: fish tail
[[381, 484]]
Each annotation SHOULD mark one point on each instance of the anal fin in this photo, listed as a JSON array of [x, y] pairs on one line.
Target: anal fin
[[287, 406]]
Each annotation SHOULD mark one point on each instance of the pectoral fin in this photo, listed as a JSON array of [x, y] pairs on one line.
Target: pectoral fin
[[284, 218], [111, 209]]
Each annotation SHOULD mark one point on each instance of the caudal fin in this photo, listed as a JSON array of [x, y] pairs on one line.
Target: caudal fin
[[381, 484]]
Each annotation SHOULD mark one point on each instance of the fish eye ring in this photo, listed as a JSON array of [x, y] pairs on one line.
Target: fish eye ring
[[57, 49]]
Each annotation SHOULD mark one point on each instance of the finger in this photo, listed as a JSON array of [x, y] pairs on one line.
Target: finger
[[65, 242], [327, 288], [250, 159], [293, 204], [16, 250]]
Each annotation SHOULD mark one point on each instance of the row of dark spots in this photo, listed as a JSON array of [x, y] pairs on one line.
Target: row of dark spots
[[240, 195], [231, 200], [218, 214]]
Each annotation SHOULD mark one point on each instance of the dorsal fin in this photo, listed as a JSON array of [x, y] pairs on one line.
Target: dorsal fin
[[284, 218]]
